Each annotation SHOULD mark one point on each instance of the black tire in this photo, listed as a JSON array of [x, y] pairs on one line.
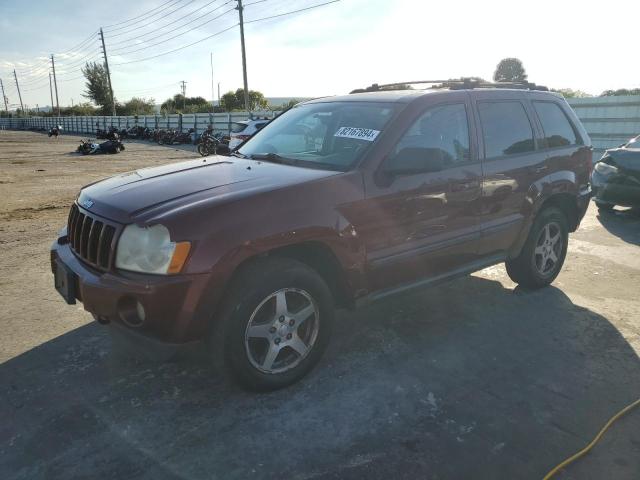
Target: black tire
[[525, 268], [604, 207], [203, 150], [250, 289]]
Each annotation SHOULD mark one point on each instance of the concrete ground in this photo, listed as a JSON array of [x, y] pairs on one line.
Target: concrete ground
[[472, 379]]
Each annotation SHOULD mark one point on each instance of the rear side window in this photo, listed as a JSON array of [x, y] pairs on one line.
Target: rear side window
[[558, 132], [237, 127], [506, 129], [260, 125]]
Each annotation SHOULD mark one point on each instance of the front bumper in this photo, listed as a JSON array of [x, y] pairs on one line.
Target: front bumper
[[173, 308], [616, 189]]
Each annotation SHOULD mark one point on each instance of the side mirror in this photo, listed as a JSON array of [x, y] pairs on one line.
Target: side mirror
[[412, 160]]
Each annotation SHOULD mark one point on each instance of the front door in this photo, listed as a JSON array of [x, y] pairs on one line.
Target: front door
[[420, 204]]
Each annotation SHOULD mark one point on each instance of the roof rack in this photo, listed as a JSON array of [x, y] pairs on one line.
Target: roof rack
[[453, 84]]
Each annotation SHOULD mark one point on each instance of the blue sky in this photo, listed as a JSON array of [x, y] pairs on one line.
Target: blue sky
[[324, 51]]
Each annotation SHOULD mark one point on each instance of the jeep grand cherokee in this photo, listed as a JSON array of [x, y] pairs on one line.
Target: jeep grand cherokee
[[337, 202]]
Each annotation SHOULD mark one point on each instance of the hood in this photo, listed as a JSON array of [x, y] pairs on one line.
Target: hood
[[625, 158], [136, 195]]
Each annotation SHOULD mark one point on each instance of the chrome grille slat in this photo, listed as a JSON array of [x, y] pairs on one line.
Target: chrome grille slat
[[84, 235], [91, 238], [77, 230], [92, 247], [107, 252]]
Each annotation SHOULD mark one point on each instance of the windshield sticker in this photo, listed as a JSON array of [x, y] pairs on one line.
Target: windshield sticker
[[357, 133]]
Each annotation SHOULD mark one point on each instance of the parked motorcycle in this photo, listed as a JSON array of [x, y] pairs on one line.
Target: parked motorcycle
[[110, 134], [55, 131], [208, 144], [90, 148]]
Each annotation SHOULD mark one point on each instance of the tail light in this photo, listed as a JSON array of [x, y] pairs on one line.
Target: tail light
[[242, 137]]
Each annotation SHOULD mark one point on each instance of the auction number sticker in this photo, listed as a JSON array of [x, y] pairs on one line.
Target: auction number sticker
[[357, 133]]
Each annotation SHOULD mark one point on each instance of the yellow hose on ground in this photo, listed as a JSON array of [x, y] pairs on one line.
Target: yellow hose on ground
[[586, 449]]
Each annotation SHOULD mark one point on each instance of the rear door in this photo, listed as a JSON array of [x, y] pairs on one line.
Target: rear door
[[561, 141], [421, 224]]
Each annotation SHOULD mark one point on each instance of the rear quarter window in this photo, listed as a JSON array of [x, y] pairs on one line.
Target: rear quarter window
[[506, 129], [558, 131], [237, 127]]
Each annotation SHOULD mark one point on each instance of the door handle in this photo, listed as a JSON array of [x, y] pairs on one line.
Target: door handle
[[540, 169]]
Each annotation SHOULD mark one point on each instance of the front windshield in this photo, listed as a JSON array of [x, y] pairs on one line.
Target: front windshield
[[332, 135]]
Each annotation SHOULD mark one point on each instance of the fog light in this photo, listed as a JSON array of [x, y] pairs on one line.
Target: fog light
[[131, 311]]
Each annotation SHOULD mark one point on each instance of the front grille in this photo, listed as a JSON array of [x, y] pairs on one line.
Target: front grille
[[91, 238]]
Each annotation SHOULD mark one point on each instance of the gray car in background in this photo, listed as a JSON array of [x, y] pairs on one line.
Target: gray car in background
[[616, 177]]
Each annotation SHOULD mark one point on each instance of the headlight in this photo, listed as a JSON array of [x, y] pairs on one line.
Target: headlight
[[150, 250], [605, 169]]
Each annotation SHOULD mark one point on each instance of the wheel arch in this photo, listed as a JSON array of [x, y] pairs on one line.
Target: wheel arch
[[316, 255]]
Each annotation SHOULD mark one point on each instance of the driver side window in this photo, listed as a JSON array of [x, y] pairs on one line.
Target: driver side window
[[439, 137]]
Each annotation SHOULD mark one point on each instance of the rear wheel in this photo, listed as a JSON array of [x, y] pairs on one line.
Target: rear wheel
[[604, 207], [277, 323], [543, 254]]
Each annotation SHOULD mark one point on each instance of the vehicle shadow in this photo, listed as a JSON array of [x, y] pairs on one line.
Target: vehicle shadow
[[624, 224], [466, 380]]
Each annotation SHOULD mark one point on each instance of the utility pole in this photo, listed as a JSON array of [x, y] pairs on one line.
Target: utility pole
[[4, 97], [213, 92], [244, 57], [106, 66], [218, 93], [51, 91], [18, 87], [55, 83], [183, 88]]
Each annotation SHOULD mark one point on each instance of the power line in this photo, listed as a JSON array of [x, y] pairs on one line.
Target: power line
[[81, 44], [143, 19], [166, 25], [223, 31], [141, 15], [153, 21], [292, 12], [183, 33], [179, 48], [37, 67]]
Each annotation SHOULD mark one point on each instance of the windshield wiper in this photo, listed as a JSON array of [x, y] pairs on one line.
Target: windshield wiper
[[272, 157], [238, 154]]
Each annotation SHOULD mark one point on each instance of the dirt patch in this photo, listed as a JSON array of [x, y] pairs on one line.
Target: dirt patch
[[37, 190]]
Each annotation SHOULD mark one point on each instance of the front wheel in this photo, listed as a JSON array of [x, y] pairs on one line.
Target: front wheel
[[543, 254], [203, 150], [277, 323]]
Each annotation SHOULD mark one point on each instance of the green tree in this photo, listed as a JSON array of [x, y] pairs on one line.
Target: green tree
[[287, 105], [137, 106], [97, 86], [569, 93], [510, 70], [235, 101], [620, 92], [79, 110], [181, 104]]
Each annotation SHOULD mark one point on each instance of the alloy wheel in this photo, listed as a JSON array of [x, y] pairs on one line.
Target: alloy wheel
[[282, 330], [548, 251]]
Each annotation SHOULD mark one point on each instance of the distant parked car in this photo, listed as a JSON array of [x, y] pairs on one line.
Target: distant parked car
[[241, 131], [616, 177]]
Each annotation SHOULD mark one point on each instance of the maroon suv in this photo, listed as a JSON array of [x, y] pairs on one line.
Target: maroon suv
[[338, 202]]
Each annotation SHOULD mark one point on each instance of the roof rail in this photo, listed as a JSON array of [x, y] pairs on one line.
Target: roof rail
[[453, 84]]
